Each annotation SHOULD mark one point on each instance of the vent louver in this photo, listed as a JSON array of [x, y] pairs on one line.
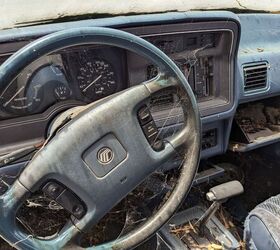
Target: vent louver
[[255, 76]]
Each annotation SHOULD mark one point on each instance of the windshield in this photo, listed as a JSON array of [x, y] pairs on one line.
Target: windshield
[[25, 13]]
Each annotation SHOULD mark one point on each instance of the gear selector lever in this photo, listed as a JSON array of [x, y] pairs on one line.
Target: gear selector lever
[[218, 195]]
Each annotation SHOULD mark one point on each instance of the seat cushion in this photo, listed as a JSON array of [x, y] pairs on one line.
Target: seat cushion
[[262, 226]]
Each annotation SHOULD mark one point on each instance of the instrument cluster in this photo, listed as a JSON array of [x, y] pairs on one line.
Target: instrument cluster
[[81, 74]]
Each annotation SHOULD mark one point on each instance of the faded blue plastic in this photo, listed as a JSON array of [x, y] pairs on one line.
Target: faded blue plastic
[[222, 120], [259, 42]]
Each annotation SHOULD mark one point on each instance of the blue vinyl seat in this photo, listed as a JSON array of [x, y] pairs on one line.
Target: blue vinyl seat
[[262, 226]]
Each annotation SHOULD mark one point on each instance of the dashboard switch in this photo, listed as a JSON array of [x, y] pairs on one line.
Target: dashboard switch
[[53, 189], [69, 201], [149, 128], [66, 198], [158, 145], [150, 131], [144, 115]]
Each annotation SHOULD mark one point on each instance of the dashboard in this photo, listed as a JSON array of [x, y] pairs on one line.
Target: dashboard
[[74, 76], [231, 63], [212, 49], [204, 51], [87, 73]]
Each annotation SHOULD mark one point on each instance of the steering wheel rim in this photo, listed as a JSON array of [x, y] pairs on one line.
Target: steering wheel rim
[[13, 198]]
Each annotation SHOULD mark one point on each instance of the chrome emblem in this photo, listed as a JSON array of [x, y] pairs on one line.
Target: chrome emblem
[[105, 155]]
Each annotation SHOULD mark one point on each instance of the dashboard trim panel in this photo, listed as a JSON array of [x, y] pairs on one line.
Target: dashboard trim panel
[[217, 105]]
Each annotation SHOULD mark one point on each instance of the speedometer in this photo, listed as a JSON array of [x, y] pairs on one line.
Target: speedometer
[[97, 79]]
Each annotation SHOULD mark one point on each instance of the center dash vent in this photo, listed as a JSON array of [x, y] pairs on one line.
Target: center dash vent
[[255, 76]]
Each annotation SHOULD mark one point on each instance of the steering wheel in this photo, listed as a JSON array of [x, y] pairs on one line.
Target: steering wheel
[[105, 151]]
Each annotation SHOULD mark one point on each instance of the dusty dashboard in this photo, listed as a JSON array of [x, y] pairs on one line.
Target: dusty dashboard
[[204, 51]]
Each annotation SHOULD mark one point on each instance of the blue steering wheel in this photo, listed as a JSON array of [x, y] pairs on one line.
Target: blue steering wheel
[[68, 161]]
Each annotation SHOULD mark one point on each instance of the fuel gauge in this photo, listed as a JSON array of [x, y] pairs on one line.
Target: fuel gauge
[[62, 92], [19, 99]]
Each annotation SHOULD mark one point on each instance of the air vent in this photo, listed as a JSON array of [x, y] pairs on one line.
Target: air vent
[[255, 76]]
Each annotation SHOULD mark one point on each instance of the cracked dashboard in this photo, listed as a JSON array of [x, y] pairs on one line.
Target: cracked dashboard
[[204, 51]]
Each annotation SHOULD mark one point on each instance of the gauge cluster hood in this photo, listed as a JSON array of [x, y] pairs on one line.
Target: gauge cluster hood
[[19, 13]]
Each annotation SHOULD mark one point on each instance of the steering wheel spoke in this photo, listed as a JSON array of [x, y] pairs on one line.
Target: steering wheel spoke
[[186, 136], [12, 232], [160, 82]]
